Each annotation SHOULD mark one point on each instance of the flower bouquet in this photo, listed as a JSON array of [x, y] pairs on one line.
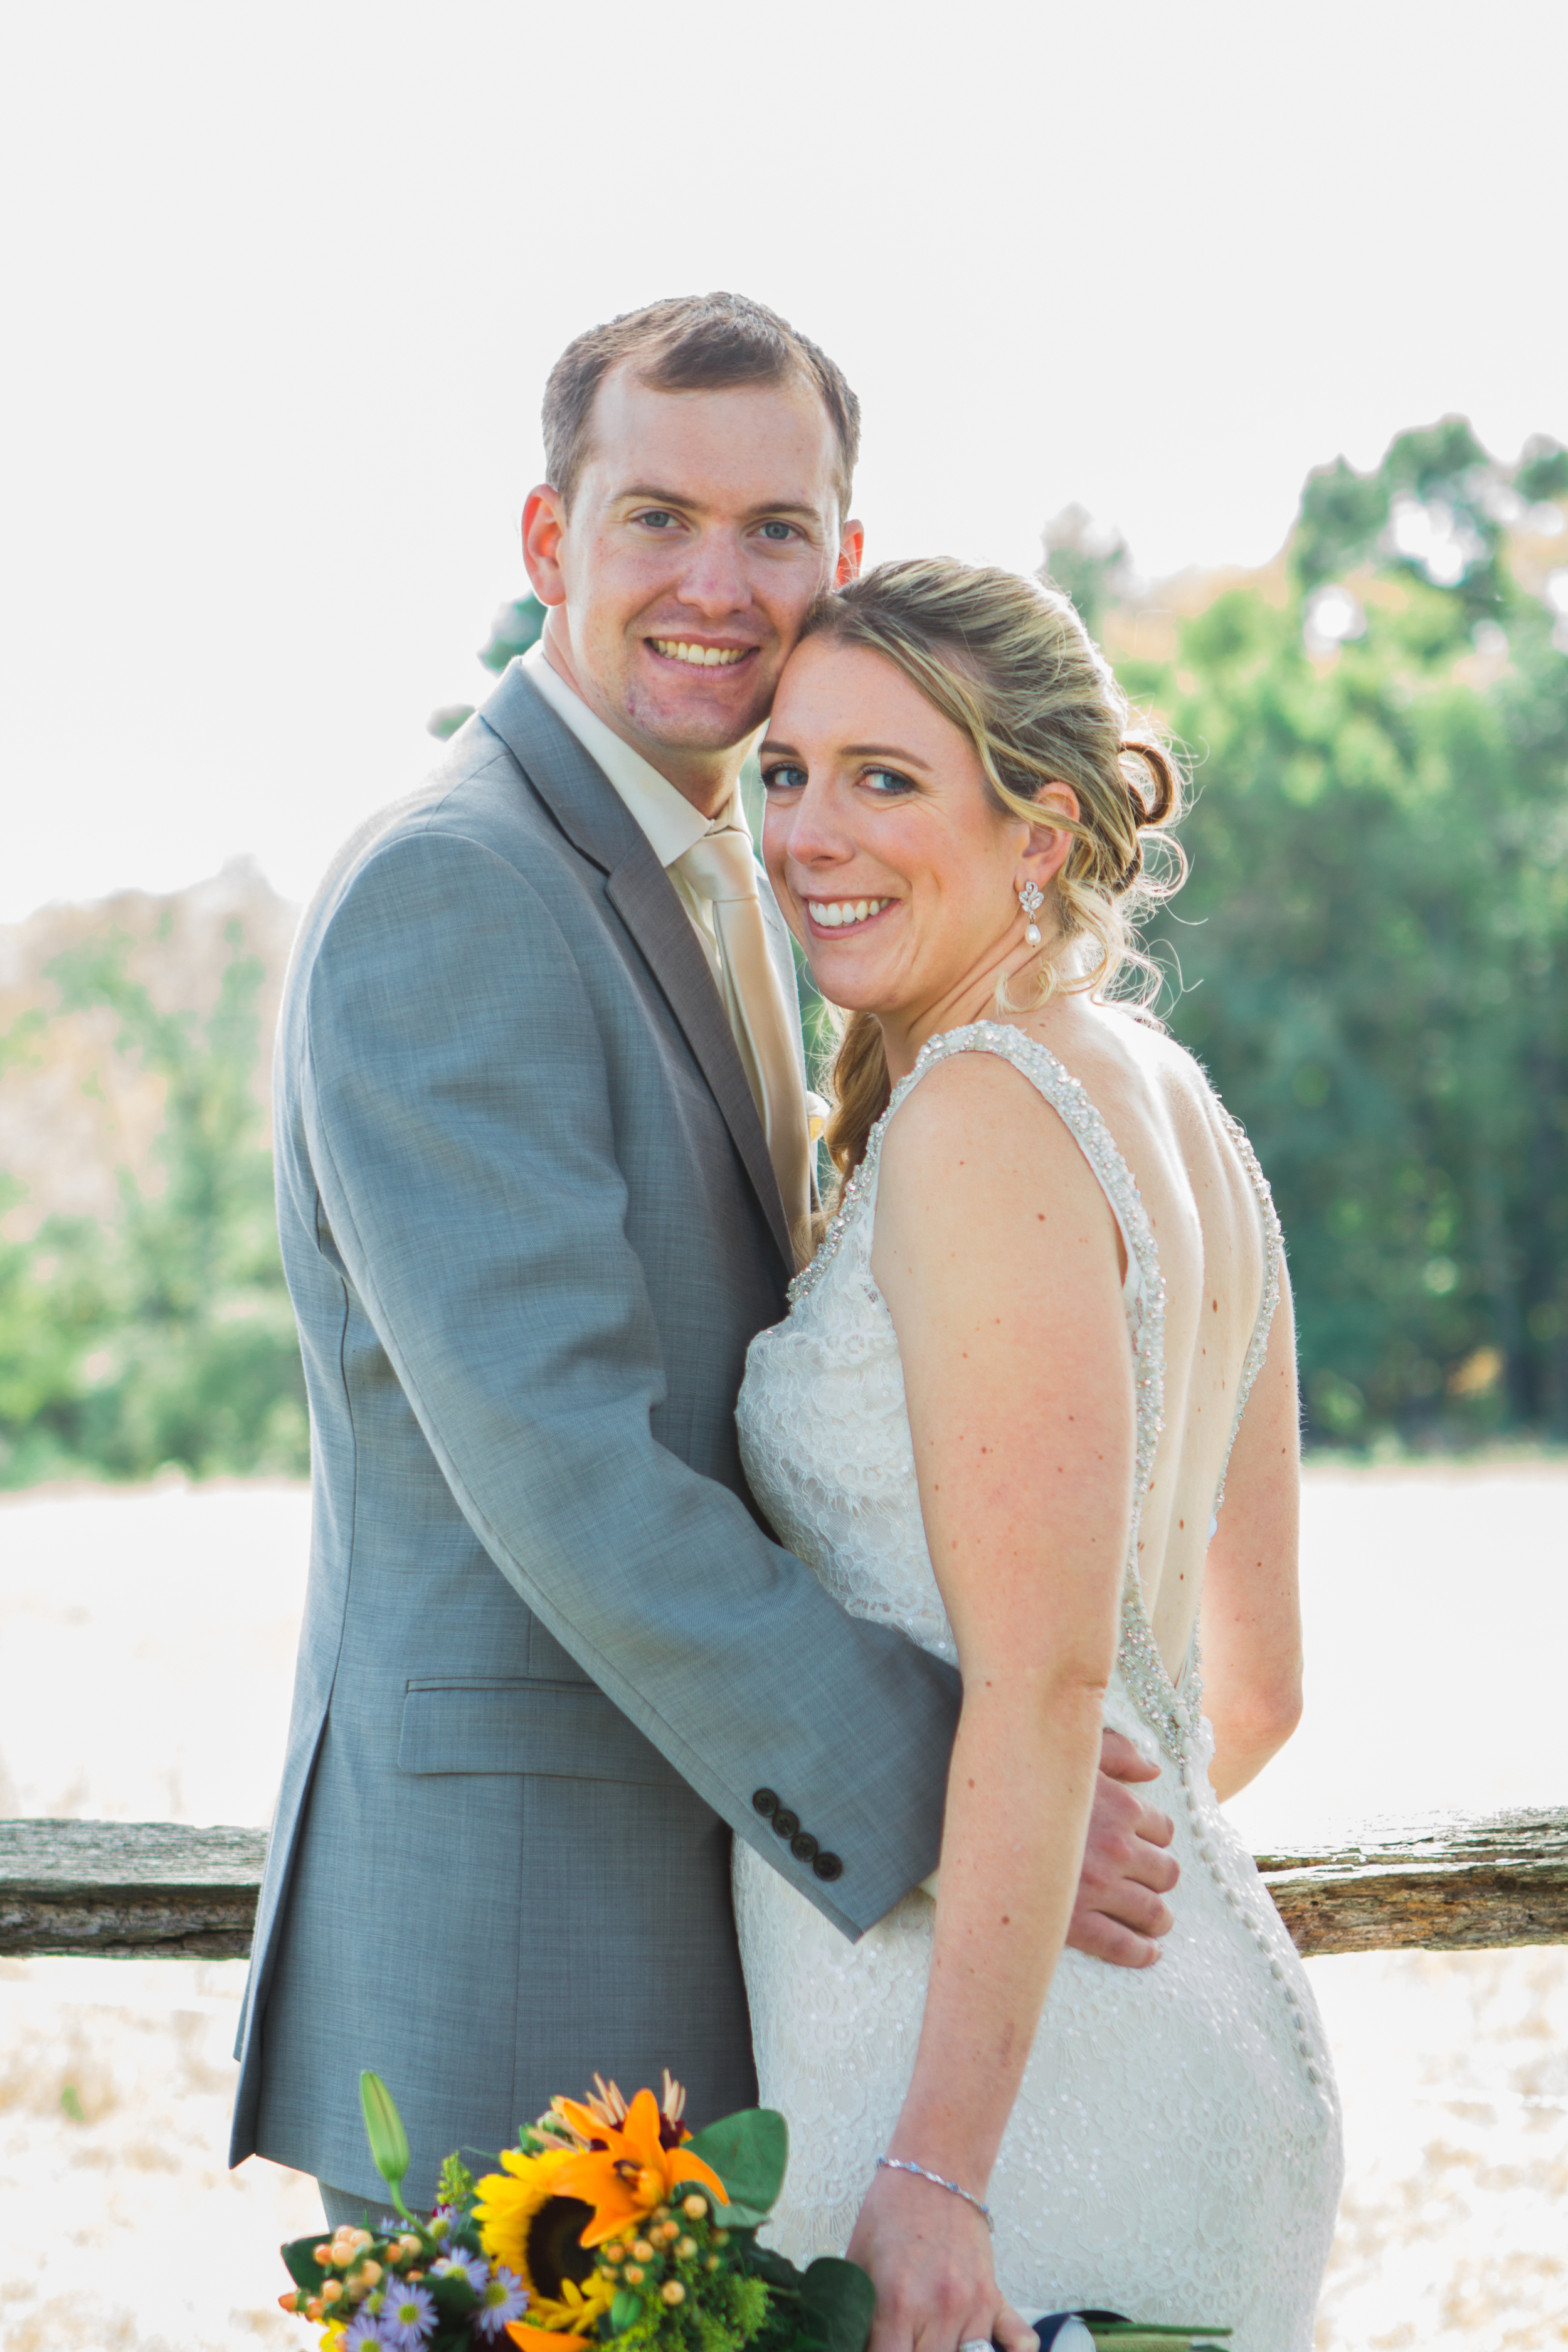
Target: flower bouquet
[[608, 2225]]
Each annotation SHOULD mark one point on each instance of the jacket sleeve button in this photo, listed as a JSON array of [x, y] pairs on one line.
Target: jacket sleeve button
[[766, 1803], [785, 1823], [827, 1866], [803, 1847]]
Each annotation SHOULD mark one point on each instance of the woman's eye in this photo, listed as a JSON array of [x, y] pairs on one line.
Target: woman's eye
[[783, 777], [887, 781]]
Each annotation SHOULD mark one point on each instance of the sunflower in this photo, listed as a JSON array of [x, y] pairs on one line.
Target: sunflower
[[525, 2222], [628, 2167]]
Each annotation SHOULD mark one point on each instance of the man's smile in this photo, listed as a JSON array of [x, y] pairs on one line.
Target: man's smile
[[696, 655]]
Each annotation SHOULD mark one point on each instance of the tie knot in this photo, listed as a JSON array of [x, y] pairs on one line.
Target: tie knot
[[720, 865]]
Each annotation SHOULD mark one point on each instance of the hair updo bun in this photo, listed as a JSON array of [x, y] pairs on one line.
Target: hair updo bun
[[1149, 814], [1010, 664]]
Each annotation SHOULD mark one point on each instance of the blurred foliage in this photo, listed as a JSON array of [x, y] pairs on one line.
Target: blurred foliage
[[1087, 562], [1370, 956], [164, 1336], [516, 627]]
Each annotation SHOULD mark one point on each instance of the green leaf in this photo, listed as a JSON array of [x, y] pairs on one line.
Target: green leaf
[[841, 2298], [767, 2262], [1132, 2335], [625, 2307], [388, 2140], [750, 2152], [300, 2260]]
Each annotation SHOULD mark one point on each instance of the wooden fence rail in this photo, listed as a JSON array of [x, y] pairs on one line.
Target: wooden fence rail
[[150, 1890]]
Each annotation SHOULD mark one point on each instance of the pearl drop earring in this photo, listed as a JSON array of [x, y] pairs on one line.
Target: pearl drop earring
[[1031, 898]]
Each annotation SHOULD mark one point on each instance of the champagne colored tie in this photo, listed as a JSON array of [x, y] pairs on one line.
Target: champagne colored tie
[[722, 869]]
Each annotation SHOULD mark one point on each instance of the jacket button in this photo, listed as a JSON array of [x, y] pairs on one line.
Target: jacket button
[[766, 1803], [803, 1847], [785, 1823], [827, 1866]]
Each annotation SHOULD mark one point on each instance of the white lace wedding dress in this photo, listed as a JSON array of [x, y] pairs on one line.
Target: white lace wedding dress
[[1174, 2150]]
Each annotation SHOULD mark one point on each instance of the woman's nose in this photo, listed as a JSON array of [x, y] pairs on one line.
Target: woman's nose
[[811, 830]]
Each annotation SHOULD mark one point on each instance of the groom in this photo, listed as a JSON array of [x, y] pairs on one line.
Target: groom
[[542, 1159]]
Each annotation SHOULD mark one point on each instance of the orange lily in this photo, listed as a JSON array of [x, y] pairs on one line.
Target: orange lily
[[540, 2339], [629, 2171]]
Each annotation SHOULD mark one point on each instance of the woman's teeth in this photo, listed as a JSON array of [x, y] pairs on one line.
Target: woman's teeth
[[833, 913], [701, 657]]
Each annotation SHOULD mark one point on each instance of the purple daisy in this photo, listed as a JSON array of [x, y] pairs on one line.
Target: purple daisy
[[408, 2315], [364, 2333], [503, 2296], [459, 2264]]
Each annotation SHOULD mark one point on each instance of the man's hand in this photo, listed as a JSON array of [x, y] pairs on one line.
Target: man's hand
[[1126, 1871], [928, 2255]]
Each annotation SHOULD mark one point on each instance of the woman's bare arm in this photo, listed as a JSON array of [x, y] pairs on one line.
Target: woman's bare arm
[[998, 1258], [1251, 1600]]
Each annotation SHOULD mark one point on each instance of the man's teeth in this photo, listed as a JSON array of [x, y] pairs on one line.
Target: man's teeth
[[701, 657], [833, 913]]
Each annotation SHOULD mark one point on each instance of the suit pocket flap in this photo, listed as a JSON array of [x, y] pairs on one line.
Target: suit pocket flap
[[567, 1731]]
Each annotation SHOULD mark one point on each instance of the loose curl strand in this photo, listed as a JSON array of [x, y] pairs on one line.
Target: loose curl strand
[[1008, 662]]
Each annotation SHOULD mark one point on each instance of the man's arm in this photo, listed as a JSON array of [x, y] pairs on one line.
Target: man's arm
[[461, 1133]]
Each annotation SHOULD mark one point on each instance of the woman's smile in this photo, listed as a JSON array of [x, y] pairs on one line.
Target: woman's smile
[[844, 913]]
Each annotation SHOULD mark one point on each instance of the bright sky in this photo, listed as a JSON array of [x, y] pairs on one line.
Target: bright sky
[[290, 279]]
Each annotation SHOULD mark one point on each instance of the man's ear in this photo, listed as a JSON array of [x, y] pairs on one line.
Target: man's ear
[[851, 551], [543, 529]]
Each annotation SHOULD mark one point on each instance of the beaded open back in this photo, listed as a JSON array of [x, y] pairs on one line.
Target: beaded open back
[[1174, 2150]]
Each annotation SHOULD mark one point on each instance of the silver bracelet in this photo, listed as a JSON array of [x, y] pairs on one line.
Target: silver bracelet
[[899, 2164]]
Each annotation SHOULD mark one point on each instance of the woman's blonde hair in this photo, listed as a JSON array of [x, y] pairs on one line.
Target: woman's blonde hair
[[1010, 664]]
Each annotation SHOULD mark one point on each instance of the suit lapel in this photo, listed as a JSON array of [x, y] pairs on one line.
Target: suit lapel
[[595, 818]]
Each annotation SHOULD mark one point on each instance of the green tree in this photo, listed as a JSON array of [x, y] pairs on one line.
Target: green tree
[[1371, 953], [165, 1335]]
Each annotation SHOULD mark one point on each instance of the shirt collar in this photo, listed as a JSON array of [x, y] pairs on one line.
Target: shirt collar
[[667, 818]]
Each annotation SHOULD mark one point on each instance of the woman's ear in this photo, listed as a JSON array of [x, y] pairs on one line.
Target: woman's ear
[[1048, 847]]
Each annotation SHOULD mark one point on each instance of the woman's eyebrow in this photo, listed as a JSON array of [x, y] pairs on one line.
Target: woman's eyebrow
[[772, 749], [885, 752]]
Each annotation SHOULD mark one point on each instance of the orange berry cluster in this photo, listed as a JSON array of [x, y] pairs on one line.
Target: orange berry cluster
[[364, 2261], [649, 2256]]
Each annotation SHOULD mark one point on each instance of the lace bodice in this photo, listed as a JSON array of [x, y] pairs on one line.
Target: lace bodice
[[1198, 2088]]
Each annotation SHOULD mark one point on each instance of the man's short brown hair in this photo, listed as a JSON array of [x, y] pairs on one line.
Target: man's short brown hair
[[696, 343]]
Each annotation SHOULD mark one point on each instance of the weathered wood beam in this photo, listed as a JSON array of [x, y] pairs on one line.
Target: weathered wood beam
[[129, 1890], [1448, 1883], [150, 1890]]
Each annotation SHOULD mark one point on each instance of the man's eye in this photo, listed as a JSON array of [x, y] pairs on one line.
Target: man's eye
[[784, 778], [657, 518], [778, 532], [887, 781]]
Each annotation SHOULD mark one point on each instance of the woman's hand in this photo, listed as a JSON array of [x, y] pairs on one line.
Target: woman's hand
[[928, 2255]]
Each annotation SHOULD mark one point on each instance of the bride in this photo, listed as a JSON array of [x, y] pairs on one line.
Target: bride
[[1034, 1402]]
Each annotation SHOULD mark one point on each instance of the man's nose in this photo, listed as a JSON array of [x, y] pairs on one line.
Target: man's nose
[[717, 580]]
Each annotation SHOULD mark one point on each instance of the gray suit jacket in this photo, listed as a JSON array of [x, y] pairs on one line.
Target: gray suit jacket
[[551, 1654]]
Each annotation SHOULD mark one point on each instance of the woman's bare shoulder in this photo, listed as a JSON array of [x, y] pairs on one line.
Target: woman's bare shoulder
[[978, 1131]]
